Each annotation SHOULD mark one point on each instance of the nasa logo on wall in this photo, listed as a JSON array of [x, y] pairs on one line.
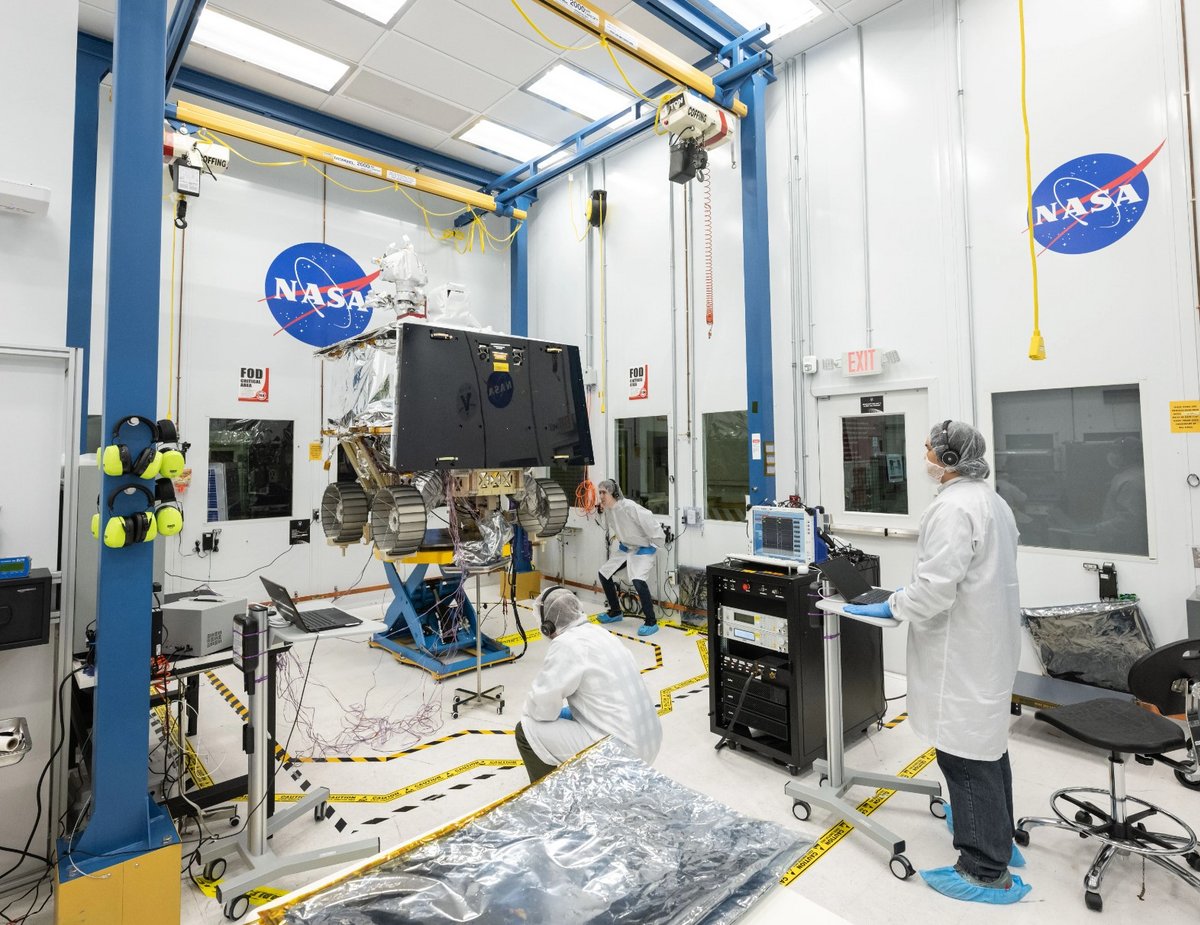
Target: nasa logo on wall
[[500, 389], [318, 294], [1090, 202]]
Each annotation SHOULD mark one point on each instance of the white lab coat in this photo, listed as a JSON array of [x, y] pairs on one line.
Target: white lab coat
[[593, 672], [635, 528], [964, 621]]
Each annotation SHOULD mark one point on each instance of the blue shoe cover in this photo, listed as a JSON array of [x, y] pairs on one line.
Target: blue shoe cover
[[647, 629], [610, 617], [950, 882], [1017, 859]]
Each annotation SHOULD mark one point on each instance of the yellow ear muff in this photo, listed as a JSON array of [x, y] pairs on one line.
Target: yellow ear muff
[[151, 526], [172, 464], [169, 519], [96, 526], [114, 459], [114, 533]]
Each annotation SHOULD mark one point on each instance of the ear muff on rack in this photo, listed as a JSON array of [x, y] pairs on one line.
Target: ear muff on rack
[[168, 516], [946, 456], [117, 460], [548, 629], [128, 529], [173, 454]]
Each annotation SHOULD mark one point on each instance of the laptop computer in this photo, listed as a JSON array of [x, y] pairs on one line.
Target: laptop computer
[[310, 621], [850, 583]]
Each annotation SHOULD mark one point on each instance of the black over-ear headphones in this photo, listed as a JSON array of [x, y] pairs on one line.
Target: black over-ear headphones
[[946, 456], [548, 628], [127, 529]]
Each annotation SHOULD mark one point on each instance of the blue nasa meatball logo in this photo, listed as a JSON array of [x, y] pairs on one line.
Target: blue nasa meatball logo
[[1090, 202], [318, 294], [500, 389]]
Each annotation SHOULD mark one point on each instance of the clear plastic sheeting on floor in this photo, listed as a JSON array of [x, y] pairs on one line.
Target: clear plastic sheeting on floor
[[1093, 643], [605, 839]]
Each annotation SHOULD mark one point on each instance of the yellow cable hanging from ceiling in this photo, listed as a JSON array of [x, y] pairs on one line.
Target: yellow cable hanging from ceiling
[[546, 38], [1037, 345]]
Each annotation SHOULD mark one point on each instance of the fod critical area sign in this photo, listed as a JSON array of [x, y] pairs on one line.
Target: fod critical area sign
[[638, 387], [254, 384]]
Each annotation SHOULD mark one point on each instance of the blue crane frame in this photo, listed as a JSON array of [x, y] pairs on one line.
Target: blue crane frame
[[124, 821]]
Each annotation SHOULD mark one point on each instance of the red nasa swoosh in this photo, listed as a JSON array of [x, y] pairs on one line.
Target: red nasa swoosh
[[1123, 178], [353, 285]]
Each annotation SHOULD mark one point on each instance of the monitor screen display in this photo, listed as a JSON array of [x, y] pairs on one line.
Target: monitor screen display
[[781, 533]]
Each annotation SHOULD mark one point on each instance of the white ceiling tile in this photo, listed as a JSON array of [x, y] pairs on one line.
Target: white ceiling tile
[[468, 152], [861, 10], [96, 22], [384, 93], [660, 33], [423, 67], [386, 122], [557, 28], [597, 61], [466, 36], [249, 75], [536, 117], [316, 23]]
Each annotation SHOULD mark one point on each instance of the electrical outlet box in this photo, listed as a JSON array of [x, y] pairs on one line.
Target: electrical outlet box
[[23, 199], [208, 542], [809, 364], [692, 515]]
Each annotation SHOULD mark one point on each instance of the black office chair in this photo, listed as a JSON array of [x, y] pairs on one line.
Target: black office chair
[[1169, 679]]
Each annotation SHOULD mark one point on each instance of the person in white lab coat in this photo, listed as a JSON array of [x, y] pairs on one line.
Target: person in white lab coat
[[591, 671], [963, 613], [635, 531]]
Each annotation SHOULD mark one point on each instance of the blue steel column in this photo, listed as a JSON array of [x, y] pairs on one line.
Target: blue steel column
[[760, 394], [89, 71], [123, 822]]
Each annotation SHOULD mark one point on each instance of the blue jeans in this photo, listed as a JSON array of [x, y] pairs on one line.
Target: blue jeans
[[643, 591], [981, 795]]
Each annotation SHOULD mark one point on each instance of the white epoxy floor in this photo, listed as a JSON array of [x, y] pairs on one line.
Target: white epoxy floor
[[413, 792]]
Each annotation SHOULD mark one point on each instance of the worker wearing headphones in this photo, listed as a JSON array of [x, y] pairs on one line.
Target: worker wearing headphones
[[589, 687], [963, 612]]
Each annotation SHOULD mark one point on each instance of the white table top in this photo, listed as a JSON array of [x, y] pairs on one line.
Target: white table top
[[291, 633], [837, 605]]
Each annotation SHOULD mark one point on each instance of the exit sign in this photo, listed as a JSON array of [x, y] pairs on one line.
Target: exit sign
[[862, 363]]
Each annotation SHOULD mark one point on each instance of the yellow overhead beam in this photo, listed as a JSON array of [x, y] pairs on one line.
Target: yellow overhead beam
[[591, 18], [336, 157]]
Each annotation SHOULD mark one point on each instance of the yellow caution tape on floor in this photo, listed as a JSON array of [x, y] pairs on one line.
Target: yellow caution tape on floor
[[195, 767], [666, 703], [842, 828], [258, 896]]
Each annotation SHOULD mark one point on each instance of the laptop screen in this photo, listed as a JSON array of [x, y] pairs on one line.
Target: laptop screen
[[781, 533], [281, 598], [845, 576]]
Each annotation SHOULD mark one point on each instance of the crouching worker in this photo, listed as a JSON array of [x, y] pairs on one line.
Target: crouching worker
[[589, 687]]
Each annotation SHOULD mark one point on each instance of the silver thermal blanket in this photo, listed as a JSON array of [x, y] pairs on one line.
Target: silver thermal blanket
[[605, 839]]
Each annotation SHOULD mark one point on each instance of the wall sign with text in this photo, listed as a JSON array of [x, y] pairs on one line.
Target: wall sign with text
[[254, 384], [638, 386]]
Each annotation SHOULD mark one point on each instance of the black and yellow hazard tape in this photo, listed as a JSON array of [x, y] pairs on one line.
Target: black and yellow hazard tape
[[842, 828], [432, 743], [666, 700], [400, 793], [895, 721], [258, 896]]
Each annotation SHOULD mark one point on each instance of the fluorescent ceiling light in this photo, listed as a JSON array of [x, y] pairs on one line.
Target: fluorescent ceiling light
[[783, 16], [578, 92], [267, 50], [504, 141], [383, 11]]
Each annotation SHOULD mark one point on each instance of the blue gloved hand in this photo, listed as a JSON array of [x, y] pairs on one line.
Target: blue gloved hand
[[882, 609], [565, 713]]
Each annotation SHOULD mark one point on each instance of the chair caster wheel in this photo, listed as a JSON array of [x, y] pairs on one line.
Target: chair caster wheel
[[1021, 837], [236, 908], [1094, 901], [234, 822], [801, 810], [901, 869], [821, 781], [319, 811], [1183, 779], [1083, 818], [937, 807], [1193, 860], [214, 870], [793, 770]]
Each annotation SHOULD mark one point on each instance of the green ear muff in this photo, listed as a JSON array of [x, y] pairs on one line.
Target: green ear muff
[[148, 463], [168, 516], [172, 463], [115, 459], [128, 529]]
